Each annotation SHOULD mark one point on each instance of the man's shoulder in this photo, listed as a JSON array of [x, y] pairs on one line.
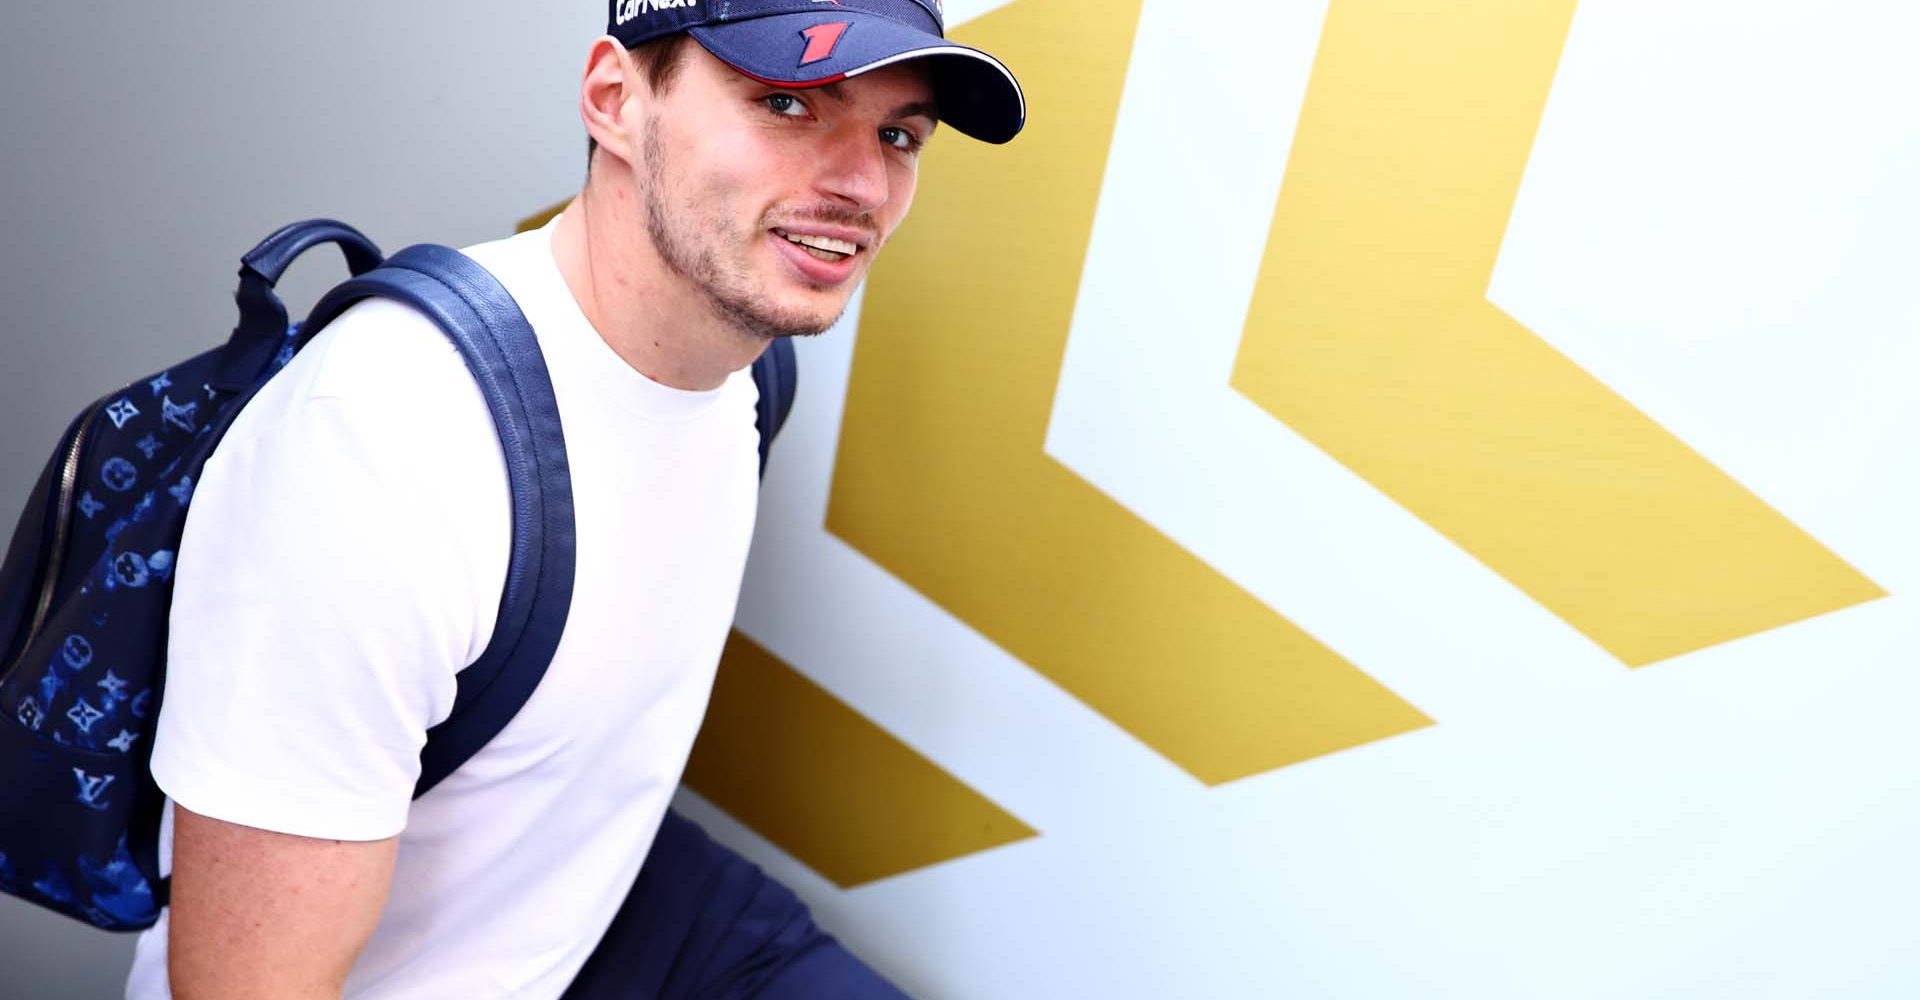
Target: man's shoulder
[[380, 364], [377, 350], [382, 348], [380, 392]]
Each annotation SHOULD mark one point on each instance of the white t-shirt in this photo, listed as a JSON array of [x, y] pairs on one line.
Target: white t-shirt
[[344, 559]]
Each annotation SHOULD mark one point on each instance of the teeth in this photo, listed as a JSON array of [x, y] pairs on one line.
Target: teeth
[[826, 243]]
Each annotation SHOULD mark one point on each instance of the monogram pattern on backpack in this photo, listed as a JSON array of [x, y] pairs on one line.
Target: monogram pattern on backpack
[[82, 695], [81, 700]]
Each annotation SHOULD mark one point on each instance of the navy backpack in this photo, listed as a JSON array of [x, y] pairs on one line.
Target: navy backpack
[[85, 589]]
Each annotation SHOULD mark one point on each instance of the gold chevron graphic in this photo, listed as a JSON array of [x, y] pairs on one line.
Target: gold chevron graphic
[[1371, 334], [845, 797], [942, 478]]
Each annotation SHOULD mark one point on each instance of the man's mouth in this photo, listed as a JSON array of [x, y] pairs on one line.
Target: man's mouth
[[820, 247]]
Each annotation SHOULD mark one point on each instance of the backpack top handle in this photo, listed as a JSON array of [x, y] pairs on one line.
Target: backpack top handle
[[264, 323]]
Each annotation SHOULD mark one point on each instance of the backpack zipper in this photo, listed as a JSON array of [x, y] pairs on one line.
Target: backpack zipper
[[62, 527]]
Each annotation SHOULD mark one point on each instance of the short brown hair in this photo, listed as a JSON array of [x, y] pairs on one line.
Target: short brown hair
[[659, 60]]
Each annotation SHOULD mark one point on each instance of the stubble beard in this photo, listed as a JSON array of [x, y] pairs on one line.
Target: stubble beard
[[724, 285]]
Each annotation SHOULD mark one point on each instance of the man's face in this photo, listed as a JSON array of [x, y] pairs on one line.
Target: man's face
[[771, 202]]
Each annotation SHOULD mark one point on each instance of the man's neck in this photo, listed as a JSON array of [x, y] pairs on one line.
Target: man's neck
[[643, 310]]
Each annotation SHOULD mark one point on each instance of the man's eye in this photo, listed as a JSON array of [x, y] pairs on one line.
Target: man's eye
[[900, 138], [786, 104]]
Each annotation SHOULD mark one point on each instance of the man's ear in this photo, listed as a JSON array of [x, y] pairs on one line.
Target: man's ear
[[608, 86]]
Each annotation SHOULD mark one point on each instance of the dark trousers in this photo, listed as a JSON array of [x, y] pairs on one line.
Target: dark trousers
[[703, 923]]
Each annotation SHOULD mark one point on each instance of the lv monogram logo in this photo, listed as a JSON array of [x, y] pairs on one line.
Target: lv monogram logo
[[93, 789]]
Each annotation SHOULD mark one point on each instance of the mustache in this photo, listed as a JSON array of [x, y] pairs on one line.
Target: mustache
[[832, 216]]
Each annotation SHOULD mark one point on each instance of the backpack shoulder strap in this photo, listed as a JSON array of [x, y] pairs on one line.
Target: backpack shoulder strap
[[777, 375], [485, 323]]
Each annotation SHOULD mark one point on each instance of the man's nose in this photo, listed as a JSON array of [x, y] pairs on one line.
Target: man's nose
[[853, 167]]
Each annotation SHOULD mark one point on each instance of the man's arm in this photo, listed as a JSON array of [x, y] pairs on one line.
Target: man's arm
[[262, 914]]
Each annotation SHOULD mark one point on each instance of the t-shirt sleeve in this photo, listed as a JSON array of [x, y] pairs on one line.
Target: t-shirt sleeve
[[328, 590]]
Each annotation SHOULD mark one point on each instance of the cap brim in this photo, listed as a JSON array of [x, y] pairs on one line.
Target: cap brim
[[976, 93]]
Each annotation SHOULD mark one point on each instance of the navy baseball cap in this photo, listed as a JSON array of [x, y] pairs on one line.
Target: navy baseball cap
[[810, 43]]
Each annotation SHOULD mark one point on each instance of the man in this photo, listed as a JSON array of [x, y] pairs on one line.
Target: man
[[349, 539]]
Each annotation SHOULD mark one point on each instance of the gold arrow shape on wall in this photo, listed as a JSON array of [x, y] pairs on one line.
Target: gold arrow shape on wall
[[845, 797], [1370, 333], [942, 478]]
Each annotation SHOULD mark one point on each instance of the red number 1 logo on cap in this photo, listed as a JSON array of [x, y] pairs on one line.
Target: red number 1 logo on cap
[[822, 39]]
